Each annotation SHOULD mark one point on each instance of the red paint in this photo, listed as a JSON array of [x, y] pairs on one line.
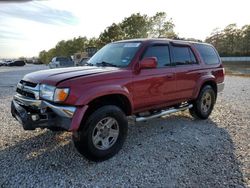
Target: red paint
[[148, 63], [145, 86], [77, 118]]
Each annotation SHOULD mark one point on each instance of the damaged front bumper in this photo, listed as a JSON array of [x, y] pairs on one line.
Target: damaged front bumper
[[34, 113]]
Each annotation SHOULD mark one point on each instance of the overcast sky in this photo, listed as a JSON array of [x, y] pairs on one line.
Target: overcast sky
[[28, 27]]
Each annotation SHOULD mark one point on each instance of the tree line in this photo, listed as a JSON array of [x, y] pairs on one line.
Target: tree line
[[229, 41], [134, 26]]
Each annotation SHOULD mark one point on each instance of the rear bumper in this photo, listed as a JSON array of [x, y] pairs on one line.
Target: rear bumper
[[33, 114], [220, 87]]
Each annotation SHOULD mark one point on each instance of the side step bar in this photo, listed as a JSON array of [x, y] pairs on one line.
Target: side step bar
[[163, 113]]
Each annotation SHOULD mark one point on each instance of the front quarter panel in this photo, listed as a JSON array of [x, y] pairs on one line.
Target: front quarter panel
[[83, 90], [99, 91]]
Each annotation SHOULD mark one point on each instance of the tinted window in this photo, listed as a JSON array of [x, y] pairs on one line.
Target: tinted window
[[183, 55], [63, 59], [192, 57], [208, 54], [160, 52]]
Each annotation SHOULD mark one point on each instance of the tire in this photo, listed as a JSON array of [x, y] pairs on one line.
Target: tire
[[97, 142], [203, 105]]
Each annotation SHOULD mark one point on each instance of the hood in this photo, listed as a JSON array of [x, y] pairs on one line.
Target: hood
[[54, 76]]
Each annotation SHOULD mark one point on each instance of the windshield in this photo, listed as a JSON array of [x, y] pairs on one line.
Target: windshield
[[115, 54]]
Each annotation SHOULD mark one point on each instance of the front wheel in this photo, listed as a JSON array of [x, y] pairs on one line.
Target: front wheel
[[203, 105], [103, 134]]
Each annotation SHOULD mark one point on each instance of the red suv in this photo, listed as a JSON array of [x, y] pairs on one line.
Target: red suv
[[146, 78]]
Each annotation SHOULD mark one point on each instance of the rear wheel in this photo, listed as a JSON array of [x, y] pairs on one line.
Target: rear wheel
[[103, 134], [203, 105]]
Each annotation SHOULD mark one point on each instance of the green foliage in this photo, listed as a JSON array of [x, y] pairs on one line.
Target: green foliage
[[92, 42], [231, 41], [110, 34], [134, 26], [245, 39], [160, 26], [65, 48]]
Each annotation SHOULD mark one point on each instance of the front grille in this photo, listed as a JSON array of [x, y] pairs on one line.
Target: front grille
[[26, 83], [25, 93], [28, 89]]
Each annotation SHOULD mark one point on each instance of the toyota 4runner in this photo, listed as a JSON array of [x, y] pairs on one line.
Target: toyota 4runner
[[146, 78]]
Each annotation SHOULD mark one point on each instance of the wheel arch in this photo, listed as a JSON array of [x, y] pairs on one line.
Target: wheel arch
[[119, 100], [212, 83], [206, 81]]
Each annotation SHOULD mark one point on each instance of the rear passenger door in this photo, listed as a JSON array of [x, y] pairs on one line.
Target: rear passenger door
[[187, 70]]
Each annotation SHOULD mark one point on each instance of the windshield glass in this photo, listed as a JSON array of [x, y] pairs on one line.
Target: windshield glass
[[115, 54]]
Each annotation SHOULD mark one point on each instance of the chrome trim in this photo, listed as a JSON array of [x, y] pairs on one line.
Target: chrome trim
[[220, 87], [163, 113], [26, 101], [64, 111], [33, 90]]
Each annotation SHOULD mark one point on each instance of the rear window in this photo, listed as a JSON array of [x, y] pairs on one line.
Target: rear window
[[208, 54]]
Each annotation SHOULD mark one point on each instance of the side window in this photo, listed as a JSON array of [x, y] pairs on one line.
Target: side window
[[161, 52], [183, 55], [208, 54], [192, 57]]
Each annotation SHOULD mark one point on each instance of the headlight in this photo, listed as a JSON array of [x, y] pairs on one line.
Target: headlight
[[47, 92], [53, 94]]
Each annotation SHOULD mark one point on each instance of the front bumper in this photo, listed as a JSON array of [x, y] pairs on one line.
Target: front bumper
[[33, 113]]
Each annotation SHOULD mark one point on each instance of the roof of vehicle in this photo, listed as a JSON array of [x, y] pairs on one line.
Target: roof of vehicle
[[144, 40]]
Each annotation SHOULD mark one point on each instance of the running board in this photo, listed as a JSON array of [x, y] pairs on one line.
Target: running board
[[163, 113]]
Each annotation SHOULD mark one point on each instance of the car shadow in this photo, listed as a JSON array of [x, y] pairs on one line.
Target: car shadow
[[173, 151]]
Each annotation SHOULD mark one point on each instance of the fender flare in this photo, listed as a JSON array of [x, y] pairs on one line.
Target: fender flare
[[100, 91], [92, 94], [201, 81]]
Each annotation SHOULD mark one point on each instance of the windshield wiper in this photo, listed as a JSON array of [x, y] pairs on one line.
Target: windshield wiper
[[88, 64], [104, 63]]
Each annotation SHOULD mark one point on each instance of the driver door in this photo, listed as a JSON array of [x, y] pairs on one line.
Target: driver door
[[155, 87]]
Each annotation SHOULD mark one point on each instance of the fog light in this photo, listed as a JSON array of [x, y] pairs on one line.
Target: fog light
[[35, 117]]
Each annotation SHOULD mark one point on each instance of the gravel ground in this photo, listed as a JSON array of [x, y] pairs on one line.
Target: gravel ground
[[175, 151]]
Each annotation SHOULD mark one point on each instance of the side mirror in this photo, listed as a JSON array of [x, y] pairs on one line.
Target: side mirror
[[148, 63]]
